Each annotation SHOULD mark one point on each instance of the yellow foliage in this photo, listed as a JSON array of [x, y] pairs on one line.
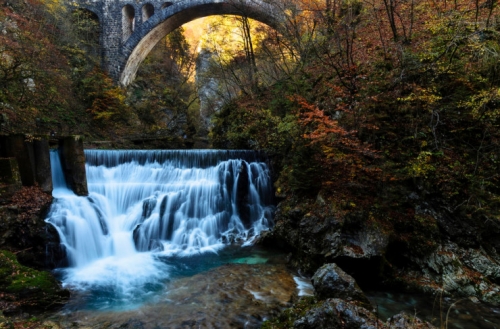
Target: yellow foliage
[[224, 36], [421, 166], [55, 7]]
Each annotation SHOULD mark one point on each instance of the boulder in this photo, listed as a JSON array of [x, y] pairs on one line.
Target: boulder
[[337, 313], [330, 281], [405, 321]]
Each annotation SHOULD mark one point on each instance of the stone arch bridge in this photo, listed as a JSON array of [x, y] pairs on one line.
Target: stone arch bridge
[[129, 29]]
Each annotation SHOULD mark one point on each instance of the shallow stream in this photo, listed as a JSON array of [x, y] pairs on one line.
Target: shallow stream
[[237, 288], [164, 240]]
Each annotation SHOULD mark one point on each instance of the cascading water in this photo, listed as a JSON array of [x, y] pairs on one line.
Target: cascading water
[[146, 206], [145, 247]]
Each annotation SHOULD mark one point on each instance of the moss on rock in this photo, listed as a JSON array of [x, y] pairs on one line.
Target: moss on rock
[[26, 289], [292, 314]]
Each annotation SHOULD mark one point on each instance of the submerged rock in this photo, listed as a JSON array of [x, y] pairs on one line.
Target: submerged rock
[[330, 281]]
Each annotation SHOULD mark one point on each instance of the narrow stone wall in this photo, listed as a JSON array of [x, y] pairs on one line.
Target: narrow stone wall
[[43, 172], [16, 146], [73, 163], [32, 157], [10, 179]]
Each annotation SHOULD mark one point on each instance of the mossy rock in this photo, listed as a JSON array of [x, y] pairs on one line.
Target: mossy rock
[[26, 289], [286, 318]]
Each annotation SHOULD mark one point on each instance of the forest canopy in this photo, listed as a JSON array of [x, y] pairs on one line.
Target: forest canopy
[[357, 100]]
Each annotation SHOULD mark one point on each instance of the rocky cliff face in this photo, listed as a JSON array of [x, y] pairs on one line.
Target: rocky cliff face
[[433, 251], [212, 91]]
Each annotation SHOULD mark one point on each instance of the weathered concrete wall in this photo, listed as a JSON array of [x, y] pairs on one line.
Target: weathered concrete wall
[[9, 172], [10, 179], [121, 58], [43, 172], [17, 146], [73, 163], [32, 156]]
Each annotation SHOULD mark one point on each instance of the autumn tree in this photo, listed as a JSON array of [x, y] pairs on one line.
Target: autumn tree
[[163, 94]]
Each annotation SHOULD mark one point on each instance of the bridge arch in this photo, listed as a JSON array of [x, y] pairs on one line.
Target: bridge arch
[[142, 40]]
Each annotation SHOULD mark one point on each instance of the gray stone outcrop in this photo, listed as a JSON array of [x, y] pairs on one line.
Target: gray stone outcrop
[[465, 272], [336, 313], [330, 281]]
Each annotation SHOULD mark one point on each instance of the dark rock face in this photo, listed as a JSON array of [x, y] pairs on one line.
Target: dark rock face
[[458, 271], [330, 281], [316, 235], [23, 229], [404, 321], [429, 250], [337, 313], [242, 195], [25, 234], [464, 263]]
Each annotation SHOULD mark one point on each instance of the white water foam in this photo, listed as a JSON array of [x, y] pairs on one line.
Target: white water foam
[[304, 286], [145, 204]]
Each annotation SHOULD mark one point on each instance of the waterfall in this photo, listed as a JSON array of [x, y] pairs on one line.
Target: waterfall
[[58, 180], [146, 204]]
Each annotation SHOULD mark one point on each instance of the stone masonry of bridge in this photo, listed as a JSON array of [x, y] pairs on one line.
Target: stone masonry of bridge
[[129, 29]]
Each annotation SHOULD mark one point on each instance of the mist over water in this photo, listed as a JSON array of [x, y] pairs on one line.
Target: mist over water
[[149, 212]]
